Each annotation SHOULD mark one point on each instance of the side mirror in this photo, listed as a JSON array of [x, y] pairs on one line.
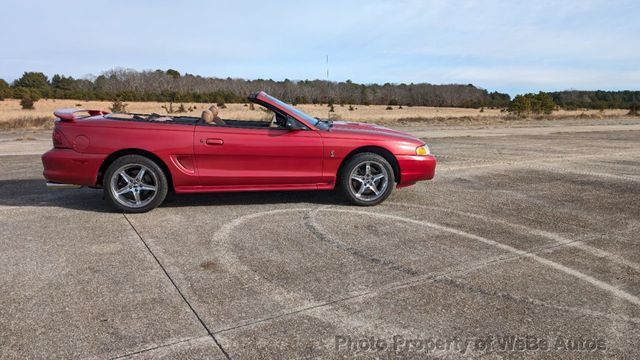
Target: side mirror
[[293, 124]]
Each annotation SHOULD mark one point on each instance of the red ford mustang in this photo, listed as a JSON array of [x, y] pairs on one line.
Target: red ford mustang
[[138, 158]]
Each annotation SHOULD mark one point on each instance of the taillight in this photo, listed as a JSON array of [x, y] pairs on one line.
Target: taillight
[[59, 141]]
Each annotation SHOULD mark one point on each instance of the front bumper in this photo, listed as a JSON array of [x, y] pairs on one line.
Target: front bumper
[[414, 168], [66, 166]]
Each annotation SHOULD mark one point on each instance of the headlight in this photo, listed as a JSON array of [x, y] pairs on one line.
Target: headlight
[[423, 150]]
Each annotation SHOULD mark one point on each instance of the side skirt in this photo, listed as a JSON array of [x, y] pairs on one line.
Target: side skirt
[[230, 188]]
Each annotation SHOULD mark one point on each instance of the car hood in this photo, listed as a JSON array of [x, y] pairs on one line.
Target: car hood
[[368, 130]]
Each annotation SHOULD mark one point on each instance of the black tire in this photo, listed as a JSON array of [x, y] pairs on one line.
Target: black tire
[[356, 166], [137, 195]]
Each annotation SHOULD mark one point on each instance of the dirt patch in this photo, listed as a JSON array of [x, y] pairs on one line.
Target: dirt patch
[[42, 122], [209, 265], [13, 117], [507, 119]]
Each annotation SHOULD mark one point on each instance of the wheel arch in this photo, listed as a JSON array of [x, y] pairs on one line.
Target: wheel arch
[[134, 151], [385, 153]]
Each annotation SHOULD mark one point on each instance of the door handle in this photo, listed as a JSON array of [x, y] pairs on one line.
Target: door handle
[[212, 141]]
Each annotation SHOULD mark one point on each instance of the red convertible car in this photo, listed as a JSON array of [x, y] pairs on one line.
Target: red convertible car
[[138, 158]]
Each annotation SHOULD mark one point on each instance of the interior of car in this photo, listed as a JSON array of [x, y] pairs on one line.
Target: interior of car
[[268, 119], [210, 117]]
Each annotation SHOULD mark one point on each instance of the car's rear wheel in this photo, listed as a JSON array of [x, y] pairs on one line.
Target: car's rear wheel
[[366, 179], [135, 184]]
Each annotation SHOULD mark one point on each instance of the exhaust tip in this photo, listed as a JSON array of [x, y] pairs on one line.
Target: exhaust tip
[[58, 186]]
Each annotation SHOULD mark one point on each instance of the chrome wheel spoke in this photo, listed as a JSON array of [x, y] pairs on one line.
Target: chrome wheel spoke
[[147, 187], [374, 188], [367, 170], [363, 187], [136, 196], [126, 177], [378, 177], [140, 175], [358, 178], [123, 191]]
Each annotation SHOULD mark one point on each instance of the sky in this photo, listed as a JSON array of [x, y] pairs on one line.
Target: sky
[[506, 46]]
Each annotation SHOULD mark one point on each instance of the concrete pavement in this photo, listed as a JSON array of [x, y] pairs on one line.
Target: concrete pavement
[[523, 238]]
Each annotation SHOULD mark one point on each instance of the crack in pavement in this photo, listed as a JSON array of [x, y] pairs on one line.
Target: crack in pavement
[[159, 347], [211, 334]]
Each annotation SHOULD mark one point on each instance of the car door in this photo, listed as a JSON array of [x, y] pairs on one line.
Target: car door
[[230, 157]]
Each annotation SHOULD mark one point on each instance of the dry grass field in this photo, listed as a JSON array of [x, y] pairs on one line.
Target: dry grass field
[[12, 115]]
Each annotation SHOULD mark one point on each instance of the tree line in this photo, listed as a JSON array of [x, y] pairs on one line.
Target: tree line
[[574, 99], [171, 86]]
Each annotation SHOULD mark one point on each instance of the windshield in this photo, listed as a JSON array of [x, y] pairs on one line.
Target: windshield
[[306, 117]]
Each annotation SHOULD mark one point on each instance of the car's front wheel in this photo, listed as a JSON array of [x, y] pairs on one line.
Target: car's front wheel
[[366, 179], [135, 184]]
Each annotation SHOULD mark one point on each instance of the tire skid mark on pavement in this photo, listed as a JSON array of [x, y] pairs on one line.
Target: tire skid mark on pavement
[[559, 240], [455, 269], [303, 303], [533, 301], [318, 231], [227, 258], [499, 260], [540, 161], [565, 269], [551, 168], [556, 168], [307, 304], [463, 159]]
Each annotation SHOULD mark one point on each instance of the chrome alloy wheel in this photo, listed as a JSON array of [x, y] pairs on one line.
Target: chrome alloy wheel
[[134, 185], [368, 181]]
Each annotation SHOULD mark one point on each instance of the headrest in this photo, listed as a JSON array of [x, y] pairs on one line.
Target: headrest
[[207, 116], [214, 110]]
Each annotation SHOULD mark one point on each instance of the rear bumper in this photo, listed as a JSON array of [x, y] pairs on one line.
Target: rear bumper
[[66, 166], [415, 168]]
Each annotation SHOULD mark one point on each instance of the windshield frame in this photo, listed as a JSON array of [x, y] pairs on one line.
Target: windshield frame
[[264, 98]]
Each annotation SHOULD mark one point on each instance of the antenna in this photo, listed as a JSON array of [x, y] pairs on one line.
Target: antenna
[[328, 91], [327, 68]]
